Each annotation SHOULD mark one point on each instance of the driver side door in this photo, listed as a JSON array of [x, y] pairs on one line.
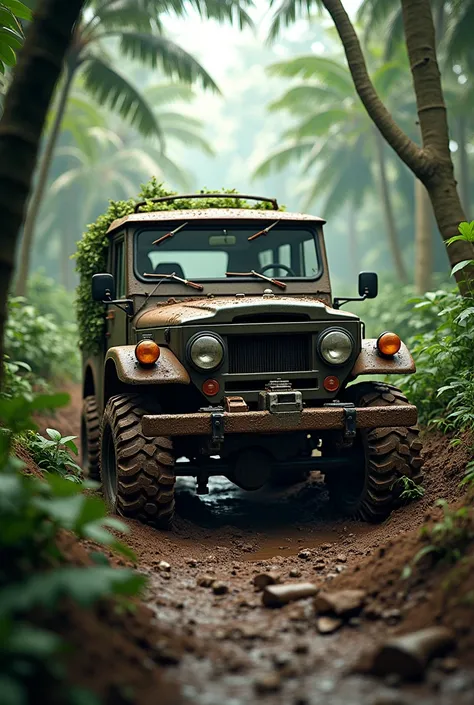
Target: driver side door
[[116, 319]]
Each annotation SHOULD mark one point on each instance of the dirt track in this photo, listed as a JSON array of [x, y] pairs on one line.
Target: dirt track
[[229, 649]]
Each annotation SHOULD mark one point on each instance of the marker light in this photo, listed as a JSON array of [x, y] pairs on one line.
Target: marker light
[[388, 344], [211, 387], [147, 352], [331, 383]]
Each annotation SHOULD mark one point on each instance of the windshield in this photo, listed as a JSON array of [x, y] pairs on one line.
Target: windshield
[[210, 251]]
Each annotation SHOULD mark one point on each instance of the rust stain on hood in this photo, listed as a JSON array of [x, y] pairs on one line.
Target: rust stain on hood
[[224, 309]]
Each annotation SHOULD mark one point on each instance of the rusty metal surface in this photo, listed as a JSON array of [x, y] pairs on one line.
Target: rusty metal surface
[[235, 405], [178, 197], [213, 214], [225, 308], [264, 422], [168, 369], [370, 362]]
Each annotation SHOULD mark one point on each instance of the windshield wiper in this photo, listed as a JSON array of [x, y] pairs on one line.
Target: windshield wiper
[[265, 231], [157, 275], [253, 273], [171, 233]]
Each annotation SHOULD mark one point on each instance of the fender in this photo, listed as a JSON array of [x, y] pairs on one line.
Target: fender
[[168, 369], [370, 362]]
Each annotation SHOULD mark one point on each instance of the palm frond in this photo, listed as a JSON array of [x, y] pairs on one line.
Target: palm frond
[[188, 137], [164, 93], [225, 11], [173, 119], [288, 11], [155, 50], [122, 14], [305, 98], [318, 124], [281, 158], [328, 71], [111, 89], [459, 40]]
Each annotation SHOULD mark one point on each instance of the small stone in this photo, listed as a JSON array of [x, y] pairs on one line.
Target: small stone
[[295, 573], [205, 581], [301, 647], [166, 576], [305, 554], [261, 580], [219, 588], [331, 576], [192, 563], [278, 595], [341, 602], [326, 546], [341, 558], [328, 625], [164, 566], [449, 664], [340, 568], [267, 683], [282, 659], [408, 655], [392, 616]]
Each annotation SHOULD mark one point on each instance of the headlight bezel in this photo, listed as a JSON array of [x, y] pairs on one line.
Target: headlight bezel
[[320, 341], [192, 341]]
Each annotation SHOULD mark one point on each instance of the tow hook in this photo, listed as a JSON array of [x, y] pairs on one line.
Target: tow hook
[[350, 420]]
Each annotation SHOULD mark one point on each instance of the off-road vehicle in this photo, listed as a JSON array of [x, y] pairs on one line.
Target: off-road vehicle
[[225, 353]]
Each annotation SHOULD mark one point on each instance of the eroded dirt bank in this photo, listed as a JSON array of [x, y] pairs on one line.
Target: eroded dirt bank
[[222, 646]]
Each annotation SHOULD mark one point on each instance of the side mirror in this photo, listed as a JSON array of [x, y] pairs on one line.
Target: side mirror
[[368, 285], [103, 287]]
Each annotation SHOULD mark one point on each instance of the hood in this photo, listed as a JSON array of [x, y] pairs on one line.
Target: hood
[[227, 309]]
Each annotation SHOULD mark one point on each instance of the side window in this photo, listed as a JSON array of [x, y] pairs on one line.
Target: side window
[[119, 270]]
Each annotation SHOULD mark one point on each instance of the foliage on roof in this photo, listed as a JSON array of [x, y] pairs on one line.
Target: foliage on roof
[[91, 256]]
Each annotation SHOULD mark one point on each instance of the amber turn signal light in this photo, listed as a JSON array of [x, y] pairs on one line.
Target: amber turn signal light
[[331, 383], [388, 344], [147, 352], [211, 387]]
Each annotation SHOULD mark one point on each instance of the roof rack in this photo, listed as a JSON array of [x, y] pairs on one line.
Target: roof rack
[[162, 199]]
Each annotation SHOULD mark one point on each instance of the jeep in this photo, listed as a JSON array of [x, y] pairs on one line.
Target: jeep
[[225, 353]]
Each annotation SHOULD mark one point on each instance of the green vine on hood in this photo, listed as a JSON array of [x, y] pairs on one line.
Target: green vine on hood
[[91, 256]]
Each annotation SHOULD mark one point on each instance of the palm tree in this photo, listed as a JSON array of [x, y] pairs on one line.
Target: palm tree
[[136, 26], [23, 121], [101, 162], [338, 141]]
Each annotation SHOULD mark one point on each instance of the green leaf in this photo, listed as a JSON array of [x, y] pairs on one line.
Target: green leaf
[[53, 434], [43, 402], [18, 8], [461, 265], [71, 445], [13, 691]]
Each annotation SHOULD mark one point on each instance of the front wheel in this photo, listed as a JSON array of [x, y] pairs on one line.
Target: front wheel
[[383, 461], [137, 472]]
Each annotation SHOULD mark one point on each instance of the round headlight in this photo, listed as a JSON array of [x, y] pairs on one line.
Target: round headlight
[[206, 352], [336, 347]]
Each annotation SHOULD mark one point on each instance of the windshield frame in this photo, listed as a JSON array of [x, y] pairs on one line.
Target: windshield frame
[[203, 225]]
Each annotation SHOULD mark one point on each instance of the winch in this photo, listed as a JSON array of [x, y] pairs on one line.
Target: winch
[[279, 397]]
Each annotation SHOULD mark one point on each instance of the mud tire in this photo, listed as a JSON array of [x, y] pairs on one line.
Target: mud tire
[[381, 455], [90, 438], [137, 472]]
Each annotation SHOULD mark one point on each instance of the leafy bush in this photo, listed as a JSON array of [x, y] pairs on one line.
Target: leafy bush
[[443, 386], [92, 249], [50, 298], [52, 454], [51, 351], [17, 380], [34, 577]]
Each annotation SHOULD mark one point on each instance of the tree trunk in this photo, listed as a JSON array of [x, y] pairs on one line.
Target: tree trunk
[[26, 105], [432, 163], [390, 224], [464, 185], [26, 244], [423, 239]]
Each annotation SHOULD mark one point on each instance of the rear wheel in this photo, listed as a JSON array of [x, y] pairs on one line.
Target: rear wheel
[[90, 438], [371, 485], [137, 472]]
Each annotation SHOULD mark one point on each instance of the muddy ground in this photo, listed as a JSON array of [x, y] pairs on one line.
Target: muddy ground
[[218, 645]]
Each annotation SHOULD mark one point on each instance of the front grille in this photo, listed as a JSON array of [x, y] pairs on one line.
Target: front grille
[[269, 353]]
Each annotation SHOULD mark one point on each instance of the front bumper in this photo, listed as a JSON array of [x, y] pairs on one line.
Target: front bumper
[[321, 418]]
